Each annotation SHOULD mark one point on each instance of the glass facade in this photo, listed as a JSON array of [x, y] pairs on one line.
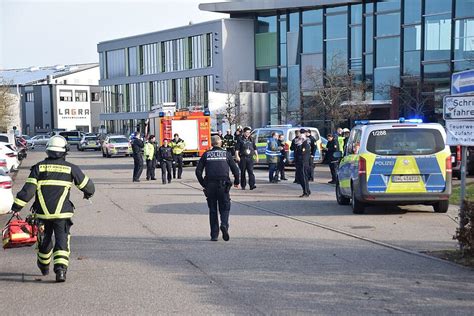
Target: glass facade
[[384, 44]]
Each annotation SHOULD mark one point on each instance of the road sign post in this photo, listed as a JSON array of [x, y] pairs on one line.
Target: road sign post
[[458, 111]]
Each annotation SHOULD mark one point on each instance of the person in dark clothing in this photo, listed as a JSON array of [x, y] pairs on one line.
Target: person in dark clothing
[[302, 156], [50, 181], [229, 142], [217, 184], [165, 157], [293, 148], [331, 147], [346, 132], [178, 145], [244, 152], [238, 135], [150, 157], [312, 142], [281, 163], [137, 147]]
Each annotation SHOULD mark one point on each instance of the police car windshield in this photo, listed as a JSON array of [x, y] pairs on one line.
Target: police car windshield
[[405, 141], [118, 140], [91, 137]]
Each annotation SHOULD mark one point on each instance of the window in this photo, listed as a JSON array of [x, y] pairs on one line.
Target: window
[[264, 135], [65, 95], [312, 16], [437, 6], [388, 5], [388, 53], [95, 96], [81, 96], [336, 26], [30, 96], [404, 142], [313, 39], [116, 63], [464, 8], [267, 24], [412, 12], [388, 24], [132, 61], [438, 37], [384, 79], [464, 40]]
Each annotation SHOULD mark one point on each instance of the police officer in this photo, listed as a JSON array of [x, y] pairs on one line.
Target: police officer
[[293, 148], [165, 157], [302, 157], [137, 146], [273, 154], [347, 133], [244, 152], [282, 160], [312, 142], [332, 147], [51, 180], [217, 184], [178, 145], [150, 157]]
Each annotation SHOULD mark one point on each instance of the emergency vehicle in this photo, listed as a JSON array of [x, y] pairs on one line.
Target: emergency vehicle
[[193, 126], [400, 162]]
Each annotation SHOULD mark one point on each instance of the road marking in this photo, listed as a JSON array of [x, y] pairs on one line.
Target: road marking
[[343, 232]]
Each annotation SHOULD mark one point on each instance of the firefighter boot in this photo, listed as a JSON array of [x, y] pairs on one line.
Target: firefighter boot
[[61, 275], [44, 269]]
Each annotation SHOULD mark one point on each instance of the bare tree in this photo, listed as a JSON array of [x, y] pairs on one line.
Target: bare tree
[[233, 110], [335, 95], [7, 107], [412, 99]]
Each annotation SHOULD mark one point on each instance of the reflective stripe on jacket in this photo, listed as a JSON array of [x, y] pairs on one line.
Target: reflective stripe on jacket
[[178, 146], [50, 182], [150, 151], [272, 151]]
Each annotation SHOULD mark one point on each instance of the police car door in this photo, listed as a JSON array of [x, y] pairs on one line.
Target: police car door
[[349, 164]]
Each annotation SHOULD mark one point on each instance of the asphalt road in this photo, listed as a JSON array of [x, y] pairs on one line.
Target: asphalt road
[[143, 248]]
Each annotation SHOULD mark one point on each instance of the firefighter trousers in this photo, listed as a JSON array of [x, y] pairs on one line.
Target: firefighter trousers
[[177, 163], [150, 169], [59, 253]]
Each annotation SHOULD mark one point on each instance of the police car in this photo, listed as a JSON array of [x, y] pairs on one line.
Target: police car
[[399, 162], [261, 135]]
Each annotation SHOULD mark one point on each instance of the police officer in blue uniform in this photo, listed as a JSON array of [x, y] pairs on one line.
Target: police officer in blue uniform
[[217, 184], [302, 159], [245, 150]]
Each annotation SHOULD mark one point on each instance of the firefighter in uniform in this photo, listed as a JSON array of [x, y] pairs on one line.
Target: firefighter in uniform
[[51, 180], [217, 184], [178, 145], [244, 152], [229, 142], [165, 157]]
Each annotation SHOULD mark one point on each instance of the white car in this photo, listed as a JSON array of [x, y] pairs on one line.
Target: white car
[[4, 166], [10, 156], [38, 140], [116, 145], [6, 194]]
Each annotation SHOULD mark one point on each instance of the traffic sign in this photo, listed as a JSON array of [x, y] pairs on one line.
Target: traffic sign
[[460, 133], [462, 82], [458, 107]]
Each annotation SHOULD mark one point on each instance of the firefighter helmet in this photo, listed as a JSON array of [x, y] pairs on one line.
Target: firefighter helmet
[[57, 143]]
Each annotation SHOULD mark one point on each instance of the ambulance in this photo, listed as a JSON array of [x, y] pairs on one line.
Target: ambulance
[[400, 162], [193, 126]]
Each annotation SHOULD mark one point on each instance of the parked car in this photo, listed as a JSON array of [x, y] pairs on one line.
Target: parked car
[[10, 156], [6, 194], [38, 140], [72, 137], [4, 166], [7, 138], [116, 145], [89, 142]]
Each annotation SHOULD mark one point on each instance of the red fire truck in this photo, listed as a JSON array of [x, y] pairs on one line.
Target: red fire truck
[[194, 127]]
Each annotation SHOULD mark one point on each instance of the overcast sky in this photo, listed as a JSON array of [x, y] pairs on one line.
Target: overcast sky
[[50, 32]]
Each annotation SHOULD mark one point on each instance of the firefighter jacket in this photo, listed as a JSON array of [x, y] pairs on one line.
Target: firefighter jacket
[[272, 151], [217, 163], [165, 153], [177, 146], [150, 151], [229, 141], [50, 182]]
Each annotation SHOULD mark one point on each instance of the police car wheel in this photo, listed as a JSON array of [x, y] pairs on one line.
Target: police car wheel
[[441, 206], [341, 199], [357, 206]]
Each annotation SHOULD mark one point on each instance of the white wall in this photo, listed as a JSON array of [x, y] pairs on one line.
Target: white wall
[[87, 77], [69, 115]]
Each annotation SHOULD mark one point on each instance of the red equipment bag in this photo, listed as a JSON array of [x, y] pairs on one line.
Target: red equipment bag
[[19, 233]]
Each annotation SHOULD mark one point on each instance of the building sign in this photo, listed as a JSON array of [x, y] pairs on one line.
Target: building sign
[[458, 107], [72, 114], [460, 132]]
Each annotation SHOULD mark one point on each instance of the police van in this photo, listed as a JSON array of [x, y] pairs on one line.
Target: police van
[[260, 137], [400, 162]]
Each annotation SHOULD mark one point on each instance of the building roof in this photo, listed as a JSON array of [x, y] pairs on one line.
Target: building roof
[[33, 75], [242, 6]]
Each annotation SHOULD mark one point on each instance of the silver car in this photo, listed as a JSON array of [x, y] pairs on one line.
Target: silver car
[[38, 140]]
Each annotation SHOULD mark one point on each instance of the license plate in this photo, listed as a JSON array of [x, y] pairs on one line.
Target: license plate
[[405, 178], [91, 143]]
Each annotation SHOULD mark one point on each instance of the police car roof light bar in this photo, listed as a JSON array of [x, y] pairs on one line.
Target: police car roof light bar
[[400, 120]]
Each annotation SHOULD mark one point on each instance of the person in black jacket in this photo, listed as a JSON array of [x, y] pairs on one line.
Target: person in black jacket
[[331, 147], [293, 148], [165, 157], [245, 150], [137, 147], [312, 142], [302, 157], [50, 181], [217, 184], [282, 160]]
